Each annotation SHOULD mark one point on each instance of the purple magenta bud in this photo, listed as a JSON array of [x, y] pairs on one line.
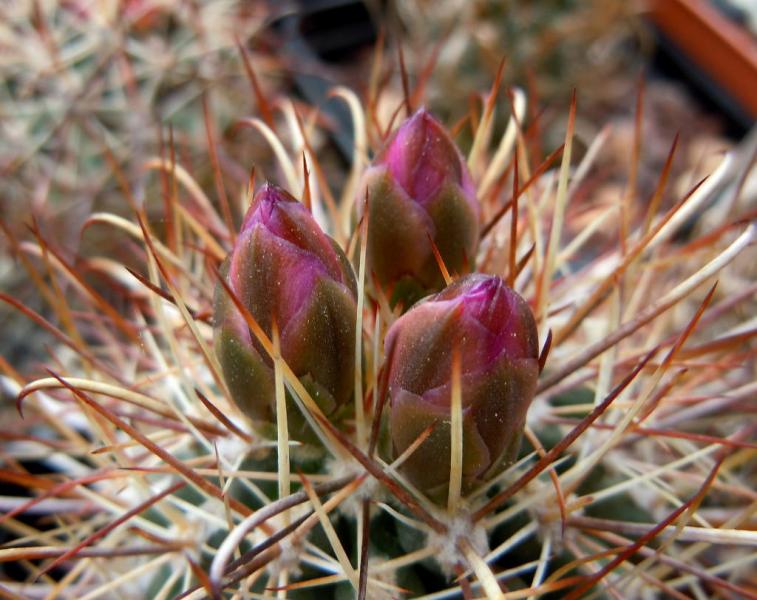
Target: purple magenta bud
[[419, 189], [284, 267], [495, 332]]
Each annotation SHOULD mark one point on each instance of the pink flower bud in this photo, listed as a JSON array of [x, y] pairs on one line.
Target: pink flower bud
[[419, 189], [495, 332], [284, 267]]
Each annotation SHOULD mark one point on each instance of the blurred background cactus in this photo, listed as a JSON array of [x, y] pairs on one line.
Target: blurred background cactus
[[134, 137]]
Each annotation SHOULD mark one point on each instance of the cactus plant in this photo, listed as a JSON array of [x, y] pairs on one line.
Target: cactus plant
[[142, 476]]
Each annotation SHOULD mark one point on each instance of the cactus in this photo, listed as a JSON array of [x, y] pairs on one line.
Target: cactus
[[141, 468]]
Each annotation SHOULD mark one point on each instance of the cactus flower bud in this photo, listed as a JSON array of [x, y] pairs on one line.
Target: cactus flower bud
[[284, 267], [495, 332], [419, 189]]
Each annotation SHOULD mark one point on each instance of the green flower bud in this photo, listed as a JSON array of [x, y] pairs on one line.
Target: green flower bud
[[284, 267], [495, 332], [419, 189]]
